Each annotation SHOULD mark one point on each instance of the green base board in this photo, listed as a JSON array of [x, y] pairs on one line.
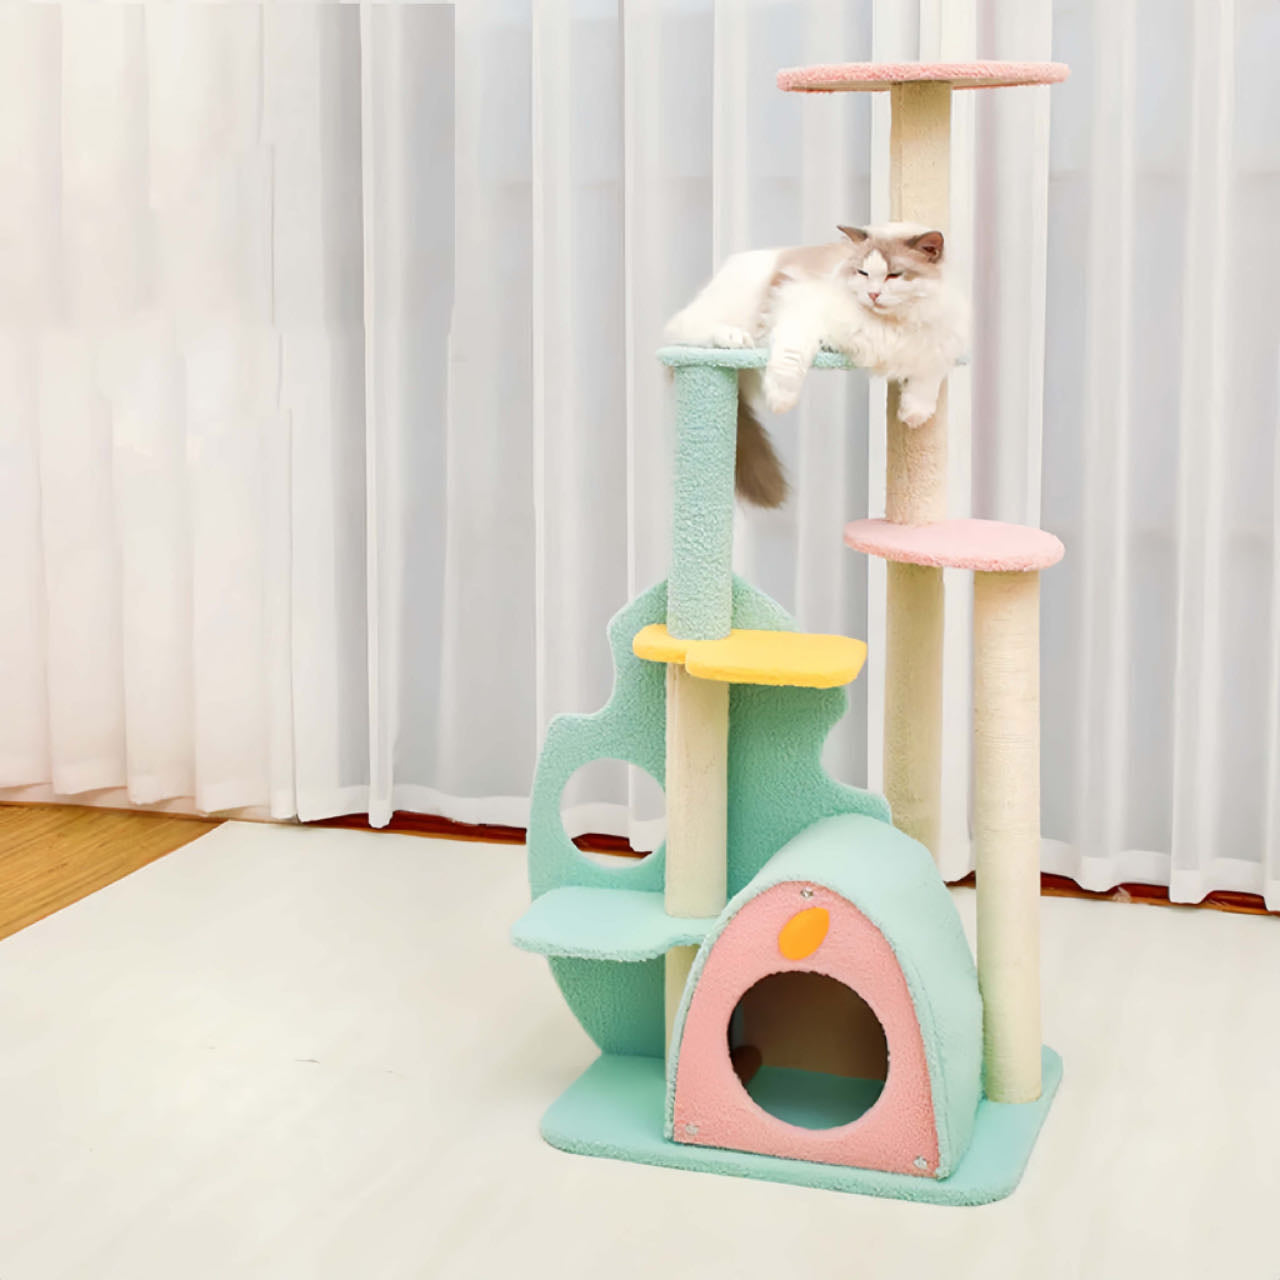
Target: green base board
[[615, 1109]]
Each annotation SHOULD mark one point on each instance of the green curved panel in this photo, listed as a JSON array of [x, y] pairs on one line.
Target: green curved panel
[[777, 788]]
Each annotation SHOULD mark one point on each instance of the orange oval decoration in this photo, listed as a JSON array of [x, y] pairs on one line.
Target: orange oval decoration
[[803, 934]]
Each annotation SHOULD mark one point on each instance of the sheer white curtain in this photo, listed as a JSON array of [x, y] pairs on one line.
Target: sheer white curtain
[[332, 437], [1162, 626]]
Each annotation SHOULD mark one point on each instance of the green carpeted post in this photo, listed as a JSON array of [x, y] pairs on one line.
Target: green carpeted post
[[700, 586]]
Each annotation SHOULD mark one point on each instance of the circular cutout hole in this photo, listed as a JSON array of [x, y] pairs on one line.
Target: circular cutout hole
[[808, 1049], [614, 811]]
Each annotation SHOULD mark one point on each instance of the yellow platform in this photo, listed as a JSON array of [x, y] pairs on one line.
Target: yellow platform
[[758, 657]]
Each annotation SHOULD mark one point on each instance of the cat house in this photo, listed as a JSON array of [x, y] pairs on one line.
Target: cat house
[[853, 902], [784, 990]]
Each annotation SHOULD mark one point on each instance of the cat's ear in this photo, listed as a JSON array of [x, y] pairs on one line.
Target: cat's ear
[[856, 234], [929, 243]]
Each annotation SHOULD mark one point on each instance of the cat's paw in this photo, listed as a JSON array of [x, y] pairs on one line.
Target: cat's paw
[[858, 353], [727, 335], [782, 389], [914, 412]]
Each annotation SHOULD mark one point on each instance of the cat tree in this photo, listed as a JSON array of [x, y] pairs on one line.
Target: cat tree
[[749, 983]]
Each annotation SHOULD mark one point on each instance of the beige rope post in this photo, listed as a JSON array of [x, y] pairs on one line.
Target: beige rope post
[[697, 785], [916, 493], [1006, 827]]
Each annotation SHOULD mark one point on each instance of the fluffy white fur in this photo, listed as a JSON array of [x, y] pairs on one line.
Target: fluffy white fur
[[730, 310], [876, 296]]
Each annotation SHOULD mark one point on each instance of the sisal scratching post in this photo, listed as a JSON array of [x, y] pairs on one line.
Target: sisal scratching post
[[1006, 826], [697, 811], [913, 699], [919, 191], [699, 607], [916, 493], [915, 483]]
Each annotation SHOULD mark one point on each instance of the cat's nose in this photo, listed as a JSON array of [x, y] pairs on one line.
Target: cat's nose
[[875, 297]]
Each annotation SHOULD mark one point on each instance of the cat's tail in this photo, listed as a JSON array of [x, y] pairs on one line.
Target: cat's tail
[[758, 474]]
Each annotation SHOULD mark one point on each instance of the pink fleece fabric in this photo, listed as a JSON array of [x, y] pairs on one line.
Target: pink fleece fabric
[[835, 77], [986, 545], [712, 1109]]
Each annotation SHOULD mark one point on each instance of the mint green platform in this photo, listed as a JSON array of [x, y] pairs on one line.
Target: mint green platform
[[740, 358], [614, 1109], [745, 358], [605, 924]]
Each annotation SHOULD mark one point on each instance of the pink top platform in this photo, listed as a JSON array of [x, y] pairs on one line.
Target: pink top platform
[[989, 546], [864, 76]]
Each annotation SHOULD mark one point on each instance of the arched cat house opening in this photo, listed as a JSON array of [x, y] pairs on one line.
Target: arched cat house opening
[[833, 1012]]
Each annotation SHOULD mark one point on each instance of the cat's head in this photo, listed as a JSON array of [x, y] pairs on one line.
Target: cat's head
[[894, 267]]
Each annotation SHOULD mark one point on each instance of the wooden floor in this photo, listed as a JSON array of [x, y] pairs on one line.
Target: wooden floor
[[54, 855]]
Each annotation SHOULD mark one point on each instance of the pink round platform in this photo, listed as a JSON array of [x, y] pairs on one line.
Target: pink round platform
[[864, 76], [989, 546]]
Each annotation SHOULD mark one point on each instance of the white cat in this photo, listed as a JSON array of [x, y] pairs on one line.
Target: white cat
[[881, 296]]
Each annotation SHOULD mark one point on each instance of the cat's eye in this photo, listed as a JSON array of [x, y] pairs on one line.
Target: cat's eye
[[893, 275], [861, 272]]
